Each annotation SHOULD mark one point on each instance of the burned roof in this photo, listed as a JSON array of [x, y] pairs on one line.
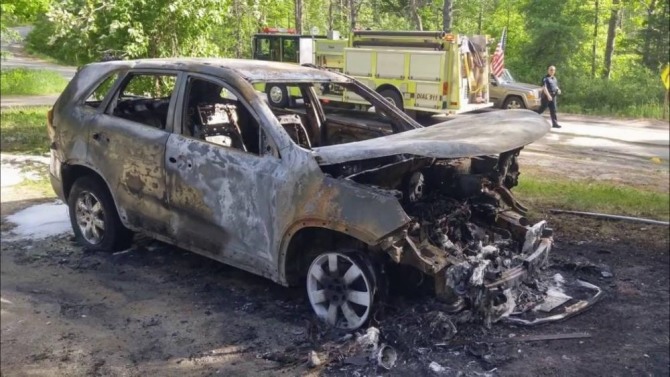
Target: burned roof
[[250, 70]]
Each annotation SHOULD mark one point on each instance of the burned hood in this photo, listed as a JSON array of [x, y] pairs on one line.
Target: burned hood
[[467, 136]]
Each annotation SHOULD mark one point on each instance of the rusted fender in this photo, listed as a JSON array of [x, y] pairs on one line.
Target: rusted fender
[[347, 207]]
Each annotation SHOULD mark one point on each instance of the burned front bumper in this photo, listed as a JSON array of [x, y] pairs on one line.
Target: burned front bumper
[[494, 286]]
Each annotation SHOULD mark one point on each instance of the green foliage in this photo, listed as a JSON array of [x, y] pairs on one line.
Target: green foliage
[[23, 81], [559, 32], [80, 31], [24, 130], [6, 20], [636, 94], [23, 11]]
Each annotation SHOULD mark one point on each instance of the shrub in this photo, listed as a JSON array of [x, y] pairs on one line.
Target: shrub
[[23, 81]]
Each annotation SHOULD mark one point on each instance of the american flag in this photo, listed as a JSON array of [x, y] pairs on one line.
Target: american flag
[[498, 60]]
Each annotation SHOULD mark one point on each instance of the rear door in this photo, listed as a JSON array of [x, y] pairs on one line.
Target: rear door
[[127, 145]]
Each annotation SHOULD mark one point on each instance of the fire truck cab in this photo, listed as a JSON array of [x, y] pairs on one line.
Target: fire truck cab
[[284, 45], [420, 72]]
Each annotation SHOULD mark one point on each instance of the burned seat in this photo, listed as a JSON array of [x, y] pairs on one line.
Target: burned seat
[[219, 124]]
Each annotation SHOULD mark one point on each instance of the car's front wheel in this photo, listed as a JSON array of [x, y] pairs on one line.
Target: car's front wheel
[[94, 219], [514, 102], [342, 287]]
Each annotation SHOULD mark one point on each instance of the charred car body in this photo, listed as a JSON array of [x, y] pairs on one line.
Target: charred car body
[[188, 152]]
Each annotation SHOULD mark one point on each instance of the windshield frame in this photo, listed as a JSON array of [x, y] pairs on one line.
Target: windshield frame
[[399, 120], [507, 77]]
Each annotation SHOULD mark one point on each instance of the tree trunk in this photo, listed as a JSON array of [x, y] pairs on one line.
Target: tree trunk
[[611, 34], [352, 14], [481, 16], [595, 38], [414, 10], [298, 16], [646, 52], [238, 31], [447, 16], [330, 15]]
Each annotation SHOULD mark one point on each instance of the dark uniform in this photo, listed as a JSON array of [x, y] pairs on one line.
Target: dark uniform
[[551, 83]]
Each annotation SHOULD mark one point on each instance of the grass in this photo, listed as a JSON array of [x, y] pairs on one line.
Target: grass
[[652, 111], [24, 130], [40, 187], [22, 81], [544, 193]]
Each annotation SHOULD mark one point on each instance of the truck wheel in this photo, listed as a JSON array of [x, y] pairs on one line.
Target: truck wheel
[[342, 287], [513, 102], [277, 95], [94, 219], [393, 97]]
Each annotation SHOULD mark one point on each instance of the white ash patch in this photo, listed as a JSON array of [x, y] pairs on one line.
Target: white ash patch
[[40, 221]]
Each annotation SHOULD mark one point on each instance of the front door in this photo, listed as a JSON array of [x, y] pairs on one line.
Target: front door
[[496, 93], [127, 144], [220, 185]]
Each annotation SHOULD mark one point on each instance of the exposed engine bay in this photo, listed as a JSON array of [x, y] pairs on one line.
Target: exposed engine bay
[[471, 235]]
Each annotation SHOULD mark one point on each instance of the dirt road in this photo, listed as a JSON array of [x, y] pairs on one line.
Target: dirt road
[[158, 310]]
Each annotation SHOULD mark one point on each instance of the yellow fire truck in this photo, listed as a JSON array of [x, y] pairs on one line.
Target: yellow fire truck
[[422, 72]]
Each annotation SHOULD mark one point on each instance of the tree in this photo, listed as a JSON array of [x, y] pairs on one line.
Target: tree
[[24, 11], [557, 30], [298, 16], [135, 28], [414, 6], [595, 41], [447, 15], [615, 14], [657, 34]]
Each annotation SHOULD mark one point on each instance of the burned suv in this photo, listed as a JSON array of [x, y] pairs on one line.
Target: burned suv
[[322, 193]]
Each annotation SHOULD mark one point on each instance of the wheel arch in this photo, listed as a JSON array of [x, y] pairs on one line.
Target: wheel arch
[[306, 239], [521, 99], [393, 88], [70, 172]]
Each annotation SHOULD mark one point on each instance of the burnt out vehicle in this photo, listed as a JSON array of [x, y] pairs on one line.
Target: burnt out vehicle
[[319, 193]]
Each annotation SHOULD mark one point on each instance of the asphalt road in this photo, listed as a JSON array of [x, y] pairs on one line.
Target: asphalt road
[[643, 139]]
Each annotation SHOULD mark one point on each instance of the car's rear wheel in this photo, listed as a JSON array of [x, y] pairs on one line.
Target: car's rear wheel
[[94, 219], [342, 287], [513, 102]]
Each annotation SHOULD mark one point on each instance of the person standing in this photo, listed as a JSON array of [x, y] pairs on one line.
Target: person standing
[[550, 92]]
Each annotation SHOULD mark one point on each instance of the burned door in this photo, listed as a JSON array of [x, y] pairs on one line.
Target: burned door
[[220, 186], [127, 145]]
